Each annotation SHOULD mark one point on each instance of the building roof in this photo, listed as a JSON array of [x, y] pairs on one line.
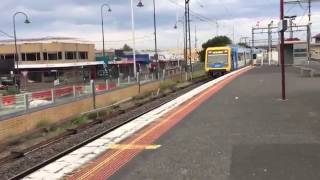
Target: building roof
[[49, 39], [60, 65], [295, 42], [317, 36]]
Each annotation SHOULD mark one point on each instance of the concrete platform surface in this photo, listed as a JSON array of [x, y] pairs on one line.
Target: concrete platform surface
[[244, 132]]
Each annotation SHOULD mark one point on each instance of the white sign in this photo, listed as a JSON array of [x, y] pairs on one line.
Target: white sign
[[56, 82]]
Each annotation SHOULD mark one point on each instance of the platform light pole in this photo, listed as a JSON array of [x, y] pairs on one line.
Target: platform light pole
[[189, 36], [133, 40], [27, 21], [186, 35], [309, 31], [155, 39], [270, 42], [156, 56], [282, 30], [183, 32], [102, 26]]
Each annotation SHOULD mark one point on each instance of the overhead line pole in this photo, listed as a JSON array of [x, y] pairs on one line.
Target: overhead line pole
[[189, 35], [186, 37], [309, 31], [309, 7], [133, 40], [283, 82]]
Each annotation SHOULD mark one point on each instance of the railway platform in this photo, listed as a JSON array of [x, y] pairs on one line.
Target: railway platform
[[236, 129]]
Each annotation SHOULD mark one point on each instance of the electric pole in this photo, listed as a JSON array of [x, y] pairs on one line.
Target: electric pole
[[309, 32], [252, 43], [186, 38], [270, 42], [283, 83], [189, 34], [195, 37], [217, 28]]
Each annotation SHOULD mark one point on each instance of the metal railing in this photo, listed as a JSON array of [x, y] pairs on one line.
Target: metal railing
[[23, 103]]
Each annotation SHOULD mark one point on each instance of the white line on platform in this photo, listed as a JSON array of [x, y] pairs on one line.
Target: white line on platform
[[85, 154]]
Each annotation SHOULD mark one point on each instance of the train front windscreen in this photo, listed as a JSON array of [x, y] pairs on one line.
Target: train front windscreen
[[218, 57]]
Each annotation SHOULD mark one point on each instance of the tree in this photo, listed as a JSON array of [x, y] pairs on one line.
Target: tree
[[214, 42], [126, 47]]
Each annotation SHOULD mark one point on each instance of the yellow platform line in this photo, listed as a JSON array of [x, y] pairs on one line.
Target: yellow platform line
[[133, 146]]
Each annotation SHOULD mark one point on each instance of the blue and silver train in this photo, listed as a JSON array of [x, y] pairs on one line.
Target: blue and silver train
[[221, 60]]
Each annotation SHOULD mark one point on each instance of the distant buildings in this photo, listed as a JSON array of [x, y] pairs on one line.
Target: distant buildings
[[69, 60], [46, 59]]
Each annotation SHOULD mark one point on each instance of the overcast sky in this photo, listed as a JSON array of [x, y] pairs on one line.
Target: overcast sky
[[81, 19]]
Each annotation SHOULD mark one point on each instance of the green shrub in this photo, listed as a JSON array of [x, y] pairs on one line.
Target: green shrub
[[42, 124], [80, 120]]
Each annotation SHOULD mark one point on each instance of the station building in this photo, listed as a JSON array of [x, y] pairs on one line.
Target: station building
[[47, 59]]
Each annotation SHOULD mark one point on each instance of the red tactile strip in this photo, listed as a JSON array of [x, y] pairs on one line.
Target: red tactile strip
[[109, 163]]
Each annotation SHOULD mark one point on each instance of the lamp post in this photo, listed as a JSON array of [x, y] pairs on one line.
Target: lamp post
[[102, 26], [183, 32], [133, 40], [283, 82], [27, 21], [156, 57]]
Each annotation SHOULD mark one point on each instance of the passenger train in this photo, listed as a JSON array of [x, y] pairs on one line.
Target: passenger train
[[221, 60]]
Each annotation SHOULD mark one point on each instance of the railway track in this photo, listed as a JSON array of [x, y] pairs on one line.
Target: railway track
[[155, 104]]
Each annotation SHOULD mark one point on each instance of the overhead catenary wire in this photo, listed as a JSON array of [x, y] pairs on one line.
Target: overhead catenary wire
[[202, 18]]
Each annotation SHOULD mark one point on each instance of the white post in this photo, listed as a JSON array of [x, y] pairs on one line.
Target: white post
[[93, 91], [74, 91], [92, 85], [53, 98], [133, 40], [118, 81], [26, 102], [138, 77], [163, 74], [128, 79], [107, 84]]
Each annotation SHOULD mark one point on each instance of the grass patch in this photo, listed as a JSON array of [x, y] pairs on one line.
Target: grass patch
[[167, 84], [81, 120], [42, 124], [92, 115], [198, 74], [14, 140], [142, 96], [183, 84]]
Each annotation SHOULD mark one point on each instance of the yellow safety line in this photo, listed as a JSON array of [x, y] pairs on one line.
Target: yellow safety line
[[125, 146]]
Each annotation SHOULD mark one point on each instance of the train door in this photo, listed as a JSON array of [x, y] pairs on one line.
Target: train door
[[234, 59]]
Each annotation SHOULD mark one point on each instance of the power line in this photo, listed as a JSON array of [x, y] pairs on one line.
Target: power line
[[125, 40], [195, 14]]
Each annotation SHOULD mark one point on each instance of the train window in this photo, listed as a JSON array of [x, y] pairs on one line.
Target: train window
[[254, 56]]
